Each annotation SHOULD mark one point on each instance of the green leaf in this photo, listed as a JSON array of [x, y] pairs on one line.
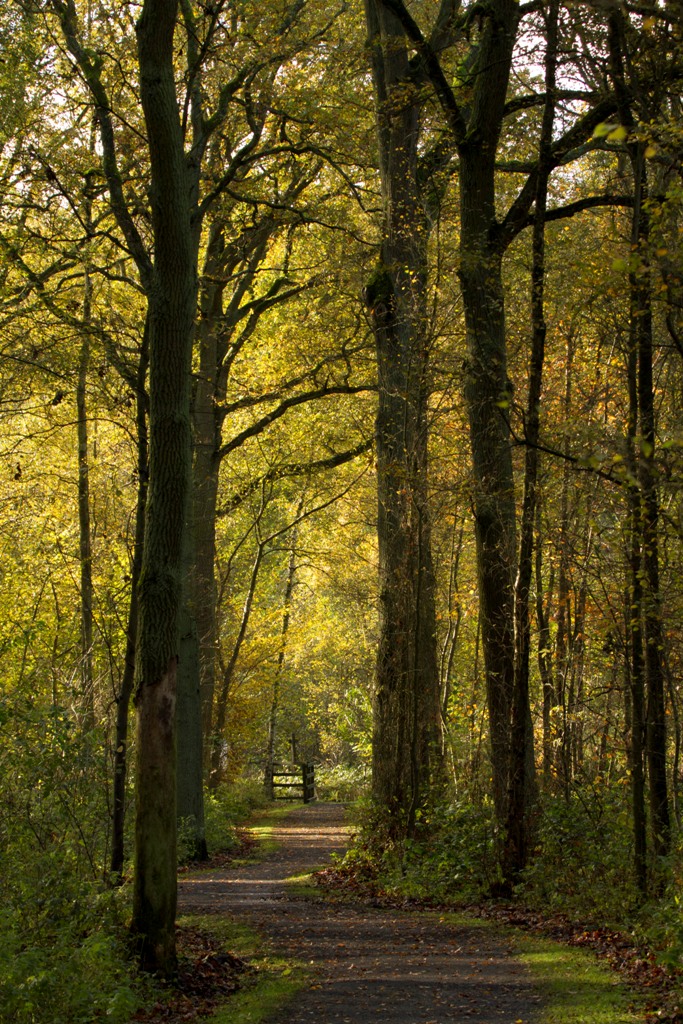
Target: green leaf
[[618, 134]]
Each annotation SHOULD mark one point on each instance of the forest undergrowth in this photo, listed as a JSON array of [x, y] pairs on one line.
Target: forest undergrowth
[[65, 956]]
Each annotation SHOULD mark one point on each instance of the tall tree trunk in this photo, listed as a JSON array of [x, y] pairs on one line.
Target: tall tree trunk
[[487, 388], [519, 796], [636, 681], [84, 533], [564, 611], [205, 475], [406, 718], [543, 612], [644, 441], [172, 305], [634, 630], [128, 677], [641, 313]]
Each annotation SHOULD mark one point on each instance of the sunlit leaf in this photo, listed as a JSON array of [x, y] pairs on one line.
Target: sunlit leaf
[[618, 134]]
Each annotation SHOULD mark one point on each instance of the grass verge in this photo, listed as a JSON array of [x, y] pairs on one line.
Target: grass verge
[[258, 1003], [261, 825], [274, 982], [304, 887], [575, 987]]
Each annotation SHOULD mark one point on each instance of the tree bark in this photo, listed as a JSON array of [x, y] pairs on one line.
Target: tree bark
[[636, 669], [519, 796], [543, 612], [189, 774], [205, 472], [172, 304], [406, 719], [642, 434], [473, 110], [487, 389], [128, 677], [641, 313]]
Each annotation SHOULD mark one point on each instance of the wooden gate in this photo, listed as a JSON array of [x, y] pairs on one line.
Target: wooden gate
[[296, 780]]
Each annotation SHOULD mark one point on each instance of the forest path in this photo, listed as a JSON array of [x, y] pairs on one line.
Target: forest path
[[375, 965]]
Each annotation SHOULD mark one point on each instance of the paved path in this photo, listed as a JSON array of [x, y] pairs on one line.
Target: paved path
[[373, 965]]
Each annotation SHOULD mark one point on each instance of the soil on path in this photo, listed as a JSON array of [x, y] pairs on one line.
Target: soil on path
[[372, 965]]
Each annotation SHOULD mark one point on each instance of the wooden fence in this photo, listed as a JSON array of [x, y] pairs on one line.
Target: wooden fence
[[297, 780]]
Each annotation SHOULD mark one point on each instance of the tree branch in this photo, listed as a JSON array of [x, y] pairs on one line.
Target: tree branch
[[432, 68], [578, 206], [517, 216], [291, 470], [288, 403], [89, 64]]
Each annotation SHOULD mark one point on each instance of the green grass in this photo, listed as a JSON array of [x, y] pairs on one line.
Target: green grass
[[275, 982], [253, 1005], [261, 826], [303, 886], [235, 937], [575, 987]]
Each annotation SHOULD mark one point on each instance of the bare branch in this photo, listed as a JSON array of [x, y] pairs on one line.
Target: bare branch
[[291, 470], [284, 407]]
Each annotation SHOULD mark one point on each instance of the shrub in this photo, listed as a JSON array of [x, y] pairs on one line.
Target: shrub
[[229, 806], [63, 958], [342, 783], [453, 856], [450, 858], [582, 864]]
